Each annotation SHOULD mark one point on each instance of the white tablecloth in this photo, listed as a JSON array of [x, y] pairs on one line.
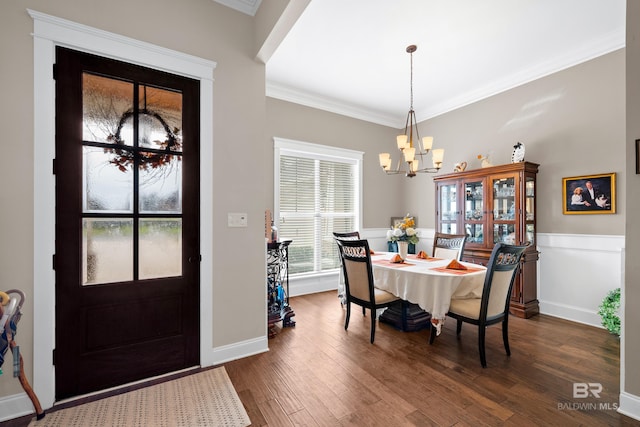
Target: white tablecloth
[[419, 284]]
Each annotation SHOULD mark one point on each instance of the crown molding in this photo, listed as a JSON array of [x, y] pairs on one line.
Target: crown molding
[[249, 7], [290, 94], [607, 44]]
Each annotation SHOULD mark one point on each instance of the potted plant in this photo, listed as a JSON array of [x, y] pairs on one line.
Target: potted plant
[[609, 310]]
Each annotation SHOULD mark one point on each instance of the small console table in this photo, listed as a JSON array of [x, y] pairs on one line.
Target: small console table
[[278, 308]]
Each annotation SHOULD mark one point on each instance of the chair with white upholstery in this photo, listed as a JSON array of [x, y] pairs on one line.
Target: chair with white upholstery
[[493, 306], [448, 246], [350, 235], [358, 280]]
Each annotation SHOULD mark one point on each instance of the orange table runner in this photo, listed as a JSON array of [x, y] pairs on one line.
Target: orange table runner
[[388, 263], [424, 259], [453, 271]]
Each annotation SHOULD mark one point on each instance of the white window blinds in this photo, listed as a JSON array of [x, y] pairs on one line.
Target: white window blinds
[[316, 194]]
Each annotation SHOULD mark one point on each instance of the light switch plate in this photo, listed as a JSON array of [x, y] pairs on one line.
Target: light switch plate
[[236, 219]]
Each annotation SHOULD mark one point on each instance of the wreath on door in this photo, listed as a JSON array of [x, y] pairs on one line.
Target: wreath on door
[[148, 159]]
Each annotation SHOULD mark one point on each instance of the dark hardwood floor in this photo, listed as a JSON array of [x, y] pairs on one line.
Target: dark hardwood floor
[[319, 374]]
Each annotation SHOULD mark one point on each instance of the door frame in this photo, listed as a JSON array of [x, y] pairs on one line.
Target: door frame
[[49, 32]]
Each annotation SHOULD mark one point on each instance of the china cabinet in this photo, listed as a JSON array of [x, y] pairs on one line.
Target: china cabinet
[[492, 205]]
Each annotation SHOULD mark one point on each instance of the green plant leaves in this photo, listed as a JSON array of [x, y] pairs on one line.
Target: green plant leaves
[[609, 310]]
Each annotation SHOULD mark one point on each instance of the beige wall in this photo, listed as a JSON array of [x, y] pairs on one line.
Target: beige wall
[[631, 291], [383, 195], [572, 124], [204, 29]]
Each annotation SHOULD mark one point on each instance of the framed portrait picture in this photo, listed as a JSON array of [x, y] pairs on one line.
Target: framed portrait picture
[[637, 156], [589, 194]]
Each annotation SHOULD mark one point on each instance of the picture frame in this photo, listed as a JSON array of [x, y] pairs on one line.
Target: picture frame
[[577, 200], [637, 156], [397, 220]]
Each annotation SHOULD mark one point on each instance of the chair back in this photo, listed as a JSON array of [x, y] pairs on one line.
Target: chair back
[[448, 246], [351, 235], [356, 267], [498, 283]]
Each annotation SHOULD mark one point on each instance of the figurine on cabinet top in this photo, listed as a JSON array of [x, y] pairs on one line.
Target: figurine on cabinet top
[[485, 163], [459, 167]]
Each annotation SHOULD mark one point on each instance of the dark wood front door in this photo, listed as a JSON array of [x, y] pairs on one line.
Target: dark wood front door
[[127, 223]]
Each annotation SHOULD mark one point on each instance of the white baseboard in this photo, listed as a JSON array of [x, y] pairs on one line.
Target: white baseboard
[[305, 285], [239, 350], [629, 405], [15, 406], [572, 313]]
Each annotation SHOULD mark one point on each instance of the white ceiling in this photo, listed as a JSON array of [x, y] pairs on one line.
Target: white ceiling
[[348, 56]]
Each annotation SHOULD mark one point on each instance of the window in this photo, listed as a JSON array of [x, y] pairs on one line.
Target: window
[[317, 192]]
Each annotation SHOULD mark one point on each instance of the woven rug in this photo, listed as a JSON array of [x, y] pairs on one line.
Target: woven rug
[[204, 399]]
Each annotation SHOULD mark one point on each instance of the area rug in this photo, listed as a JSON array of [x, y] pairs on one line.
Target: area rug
[[204, 399]]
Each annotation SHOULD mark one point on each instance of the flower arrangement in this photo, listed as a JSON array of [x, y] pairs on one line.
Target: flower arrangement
[[404, 231]]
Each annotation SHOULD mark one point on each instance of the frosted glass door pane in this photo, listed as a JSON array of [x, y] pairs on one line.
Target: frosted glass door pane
[[107, 250], [160, 248], [105, 104], [161, 187], [106, 188], [160, 120]]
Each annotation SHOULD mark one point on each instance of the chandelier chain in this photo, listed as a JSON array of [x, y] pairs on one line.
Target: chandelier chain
[[413, 154], [411, 85]]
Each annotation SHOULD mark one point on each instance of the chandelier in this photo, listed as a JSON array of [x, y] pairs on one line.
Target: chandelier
[[413, 154]]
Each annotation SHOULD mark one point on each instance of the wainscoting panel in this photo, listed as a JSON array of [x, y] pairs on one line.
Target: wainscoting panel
[[575, 272]]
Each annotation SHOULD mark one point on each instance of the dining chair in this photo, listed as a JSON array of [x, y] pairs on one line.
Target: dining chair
[[493, 306], [350, 235], [358, 280], [448, 246]]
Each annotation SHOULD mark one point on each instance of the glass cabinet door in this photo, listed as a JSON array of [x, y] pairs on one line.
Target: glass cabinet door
[[448, 208], [474, 211], [504, 210], [530, 214]]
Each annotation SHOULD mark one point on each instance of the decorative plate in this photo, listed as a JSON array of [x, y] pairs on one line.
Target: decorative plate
[[518, 153]]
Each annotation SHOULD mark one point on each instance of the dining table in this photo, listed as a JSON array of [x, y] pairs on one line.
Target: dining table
[[428, 282]]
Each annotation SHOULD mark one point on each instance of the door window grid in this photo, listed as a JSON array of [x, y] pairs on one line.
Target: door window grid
[[132, 181]]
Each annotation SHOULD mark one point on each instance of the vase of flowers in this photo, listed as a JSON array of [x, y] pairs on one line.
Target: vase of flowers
[[403, 232]]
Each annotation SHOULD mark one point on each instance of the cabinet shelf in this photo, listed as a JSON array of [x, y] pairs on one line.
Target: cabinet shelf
[[491, 205]]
